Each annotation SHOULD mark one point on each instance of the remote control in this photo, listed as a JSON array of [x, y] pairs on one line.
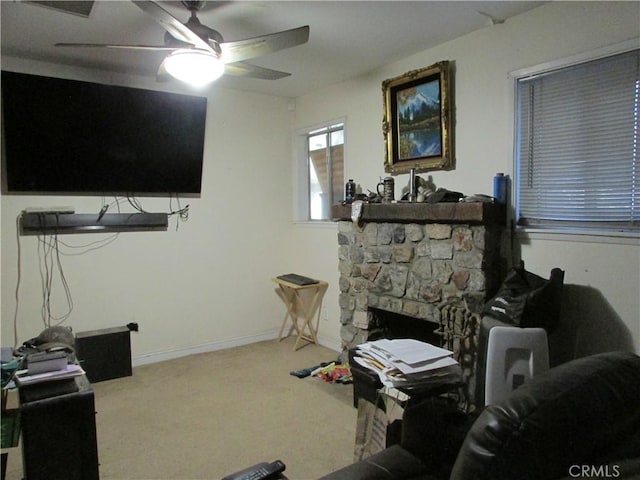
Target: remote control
[[260, 471]]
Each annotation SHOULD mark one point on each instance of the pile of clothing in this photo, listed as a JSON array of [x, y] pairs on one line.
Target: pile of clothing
[[332, 373], [327, 371]]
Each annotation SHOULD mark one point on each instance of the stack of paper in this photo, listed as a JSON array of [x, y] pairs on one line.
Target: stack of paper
[[408, 363]]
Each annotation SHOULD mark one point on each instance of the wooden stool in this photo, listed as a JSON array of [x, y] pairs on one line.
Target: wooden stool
[[301, 301]]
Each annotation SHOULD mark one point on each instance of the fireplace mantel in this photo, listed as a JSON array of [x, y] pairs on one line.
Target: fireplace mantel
[[476, 213]]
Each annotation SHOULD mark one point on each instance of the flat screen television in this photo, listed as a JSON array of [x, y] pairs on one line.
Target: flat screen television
[[72, 137]]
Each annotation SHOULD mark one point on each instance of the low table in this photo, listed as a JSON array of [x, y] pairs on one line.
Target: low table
[[302, 302], [372, 406]]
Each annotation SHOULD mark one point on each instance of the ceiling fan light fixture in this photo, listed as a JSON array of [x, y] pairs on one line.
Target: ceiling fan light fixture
[[194, 67]]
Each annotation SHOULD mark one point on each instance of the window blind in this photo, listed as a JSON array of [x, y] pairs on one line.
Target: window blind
[[577, 145]]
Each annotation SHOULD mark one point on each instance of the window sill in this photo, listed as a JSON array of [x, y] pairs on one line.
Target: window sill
[[573, 235], [315, 224]]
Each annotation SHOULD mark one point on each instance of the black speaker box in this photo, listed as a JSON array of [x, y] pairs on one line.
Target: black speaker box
[[104, 354]]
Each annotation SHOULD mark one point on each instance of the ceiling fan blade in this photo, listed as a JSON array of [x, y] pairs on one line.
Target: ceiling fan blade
[[241, 69], [254, 47], [128, 47], [172, 25]]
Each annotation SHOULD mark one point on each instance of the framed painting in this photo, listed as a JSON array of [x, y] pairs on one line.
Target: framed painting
[[417, 123]]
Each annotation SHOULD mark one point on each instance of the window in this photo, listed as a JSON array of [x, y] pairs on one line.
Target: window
[[577, 163], [324, 171]]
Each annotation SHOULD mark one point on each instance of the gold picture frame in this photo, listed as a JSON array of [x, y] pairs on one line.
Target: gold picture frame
[[417, 123]]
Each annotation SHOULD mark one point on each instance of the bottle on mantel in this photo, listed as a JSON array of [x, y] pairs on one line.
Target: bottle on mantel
[[500, 187], [350, 191]]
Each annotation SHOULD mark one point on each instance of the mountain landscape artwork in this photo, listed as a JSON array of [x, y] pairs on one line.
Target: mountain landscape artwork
[[418, 120], [418, 116]]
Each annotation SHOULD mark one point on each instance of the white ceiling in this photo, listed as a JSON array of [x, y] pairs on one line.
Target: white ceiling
[[348, 38]]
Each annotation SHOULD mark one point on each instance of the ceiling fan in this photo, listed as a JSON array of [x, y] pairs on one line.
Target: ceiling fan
[[199, 54]]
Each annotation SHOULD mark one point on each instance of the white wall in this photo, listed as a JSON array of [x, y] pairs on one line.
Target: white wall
[[601, 275], [204, 286], [207, 284]]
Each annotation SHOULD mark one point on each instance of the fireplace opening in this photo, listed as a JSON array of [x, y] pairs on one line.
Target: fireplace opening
[[392, 325], [455, 329]]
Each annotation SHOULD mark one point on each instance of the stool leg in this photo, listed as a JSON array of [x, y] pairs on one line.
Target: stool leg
[[288, 295], [309, 308], [301, 335]]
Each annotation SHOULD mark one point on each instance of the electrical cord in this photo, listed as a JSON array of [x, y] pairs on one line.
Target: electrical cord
[[65, 285], [50, 263], [182, 213], [135, 203], [87, 247], [18, 282]]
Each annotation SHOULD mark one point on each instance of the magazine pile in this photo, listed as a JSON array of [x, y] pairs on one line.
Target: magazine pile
[[409, 363], [23, 377]]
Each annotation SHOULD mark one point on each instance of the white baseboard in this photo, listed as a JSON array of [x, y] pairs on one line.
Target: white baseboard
[[330, 343], [220, 345], [202, 348]]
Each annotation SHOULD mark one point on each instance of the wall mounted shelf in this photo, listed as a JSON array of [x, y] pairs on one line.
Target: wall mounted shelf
[[52, 223]]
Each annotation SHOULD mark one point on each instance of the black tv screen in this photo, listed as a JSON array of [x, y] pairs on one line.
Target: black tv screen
[[72, 137]]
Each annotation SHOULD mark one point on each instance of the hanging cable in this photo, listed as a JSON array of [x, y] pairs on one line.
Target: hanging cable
[[183, 213], [133, 201], [84, 248], [49, 263], [18, 282], [65, 286]]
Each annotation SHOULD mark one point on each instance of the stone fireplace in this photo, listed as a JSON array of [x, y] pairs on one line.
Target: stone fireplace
[[437, 263]]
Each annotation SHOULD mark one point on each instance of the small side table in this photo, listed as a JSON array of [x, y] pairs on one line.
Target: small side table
[[302, 302]]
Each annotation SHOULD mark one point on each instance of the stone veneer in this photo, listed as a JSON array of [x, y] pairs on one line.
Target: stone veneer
[[416, 266]]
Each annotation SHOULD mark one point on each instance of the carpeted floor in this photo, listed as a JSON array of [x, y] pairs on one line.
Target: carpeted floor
[[206, 416]]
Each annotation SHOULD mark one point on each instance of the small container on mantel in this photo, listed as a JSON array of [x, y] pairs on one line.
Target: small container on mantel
[[500, 187], [350, 191]]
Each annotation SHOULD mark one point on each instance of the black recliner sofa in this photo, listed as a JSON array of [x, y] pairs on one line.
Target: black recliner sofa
[[578, 420]]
